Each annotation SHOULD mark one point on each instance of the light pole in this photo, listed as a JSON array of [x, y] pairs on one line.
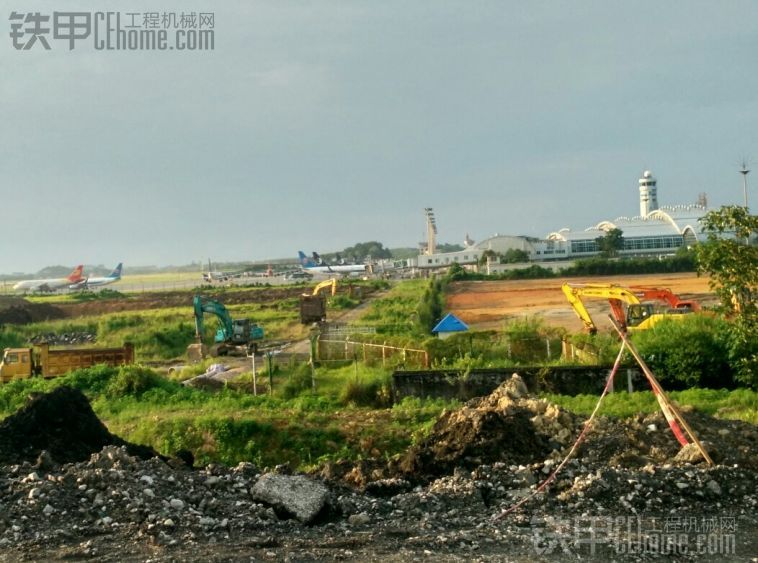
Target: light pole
[[744, 173]]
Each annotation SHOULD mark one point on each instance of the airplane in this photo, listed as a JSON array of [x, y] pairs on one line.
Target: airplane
[[215, 276], [52, 284], [316, 265], [113, 277]]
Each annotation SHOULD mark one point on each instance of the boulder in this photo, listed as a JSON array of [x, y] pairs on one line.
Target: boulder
[[294, 495]]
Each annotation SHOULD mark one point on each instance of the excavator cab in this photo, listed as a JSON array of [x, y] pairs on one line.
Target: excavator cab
[[639, 313]]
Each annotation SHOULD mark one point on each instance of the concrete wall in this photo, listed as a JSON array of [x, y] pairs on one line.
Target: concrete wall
[[566, 380]]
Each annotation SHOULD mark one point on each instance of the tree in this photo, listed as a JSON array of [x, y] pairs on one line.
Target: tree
[[429, 310], [611, 243], [731, 261], [515, 256], [362, 250], [488, 254]]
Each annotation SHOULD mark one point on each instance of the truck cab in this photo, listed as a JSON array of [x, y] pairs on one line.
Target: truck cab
[[17, 363]]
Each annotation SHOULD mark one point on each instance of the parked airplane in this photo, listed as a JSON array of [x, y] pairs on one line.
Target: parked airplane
[[53, 283], [113, 277], [316, 265]]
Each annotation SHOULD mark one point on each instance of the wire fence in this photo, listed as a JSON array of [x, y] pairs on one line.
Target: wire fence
[[517, 350], [370, 353]]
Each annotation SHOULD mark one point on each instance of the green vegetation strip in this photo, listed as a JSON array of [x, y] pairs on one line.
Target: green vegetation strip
[[739, 404], [293, 425]]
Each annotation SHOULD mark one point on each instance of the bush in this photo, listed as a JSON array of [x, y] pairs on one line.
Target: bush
[[298, 381], [133, 381], [91, 381], [691, 351], [374, 392]]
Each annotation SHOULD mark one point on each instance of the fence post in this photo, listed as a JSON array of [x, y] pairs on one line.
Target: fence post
[[255, 377], [629, 386], [384, 354], [547, 342], [347, 339], [364, 352], [270, 374]]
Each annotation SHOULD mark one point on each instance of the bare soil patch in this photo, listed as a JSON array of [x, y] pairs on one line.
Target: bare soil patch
[[487, 304]]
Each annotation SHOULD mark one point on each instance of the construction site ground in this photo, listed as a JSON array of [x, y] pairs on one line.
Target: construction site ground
[[486, 304], [629, 494]]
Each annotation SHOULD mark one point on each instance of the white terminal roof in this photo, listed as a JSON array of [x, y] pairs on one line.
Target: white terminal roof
[[666, 221]]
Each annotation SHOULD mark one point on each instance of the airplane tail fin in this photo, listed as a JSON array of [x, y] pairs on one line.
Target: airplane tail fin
[[305, 262], [76, 275], [116, 273]]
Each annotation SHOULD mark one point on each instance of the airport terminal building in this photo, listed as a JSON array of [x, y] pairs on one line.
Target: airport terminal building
[[656, 231]]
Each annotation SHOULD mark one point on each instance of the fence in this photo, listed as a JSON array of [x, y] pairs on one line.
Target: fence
[[369, 353]]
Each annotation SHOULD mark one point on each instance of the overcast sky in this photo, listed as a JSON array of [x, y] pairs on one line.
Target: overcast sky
[[315, 125]]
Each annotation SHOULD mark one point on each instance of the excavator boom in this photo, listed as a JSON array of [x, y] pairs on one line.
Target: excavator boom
[[666, 295], [638, 315]]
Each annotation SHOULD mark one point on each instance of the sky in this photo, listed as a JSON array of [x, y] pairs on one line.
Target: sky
[[314, 125]]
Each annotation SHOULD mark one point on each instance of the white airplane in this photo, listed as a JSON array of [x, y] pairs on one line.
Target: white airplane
[[113, 277], [53, 283], [317, 266]]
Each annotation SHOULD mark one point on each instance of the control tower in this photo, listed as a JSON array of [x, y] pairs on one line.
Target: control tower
[[648, 193]]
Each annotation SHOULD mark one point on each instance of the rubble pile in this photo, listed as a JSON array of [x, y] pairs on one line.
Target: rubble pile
[[64, 339], [113, 505], [513, 427]]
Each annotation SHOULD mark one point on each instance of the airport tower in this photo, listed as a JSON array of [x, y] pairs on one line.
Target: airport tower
[[648, 193]]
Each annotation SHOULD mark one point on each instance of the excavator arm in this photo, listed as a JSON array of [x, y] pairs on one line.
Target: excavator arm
[[615, 295], [579, 308], [324, 284], [203, 306], [666, 295]]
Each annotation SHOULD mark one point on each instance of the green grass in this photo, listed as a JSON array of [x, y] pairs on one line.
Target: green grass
[[739, 404], [229, 426], [395, 312]]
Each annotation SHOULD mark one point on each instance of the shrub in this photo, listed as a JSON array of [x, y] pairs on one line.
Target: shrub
[[92, 381], [298, 381], [692, 351], [132, 380], [374, 392]]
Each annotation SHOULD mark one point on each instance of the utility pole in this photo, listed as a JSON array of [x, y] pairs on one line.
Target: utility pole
[[744, 173]]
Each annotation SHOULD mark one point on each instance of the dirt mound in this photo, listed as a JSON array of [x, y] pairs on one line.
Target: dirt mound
[[497, 428], [25, 313], [511, 427], [164, 299], [63, 424], [11, 301]]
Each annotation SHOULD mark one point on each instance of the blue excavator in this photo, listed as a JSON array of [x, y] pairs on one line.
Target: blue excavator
[[233, 335]]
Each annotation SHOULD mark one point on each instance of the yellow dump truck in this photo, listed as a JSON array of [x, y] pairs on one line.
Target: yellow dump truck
[[22, 363]]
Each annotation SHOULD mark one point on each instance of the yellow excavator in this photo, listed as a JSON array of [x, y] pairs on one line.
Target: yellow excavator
[[636, 316], [313, 305]]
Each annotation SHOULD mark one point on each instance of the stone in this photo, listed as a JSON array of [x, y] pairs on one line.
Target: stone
[[713, 487], [359, 519], [176, 504], [689, 454], [297, 495]]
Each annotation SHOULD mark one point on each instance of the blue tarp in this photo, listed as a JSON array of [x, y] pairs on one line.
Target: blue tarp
[[450, 323]]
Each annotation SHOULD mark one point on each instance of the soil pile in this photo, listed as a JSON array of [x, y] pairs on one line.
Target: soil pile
[[497, 428], [513, 427], [62, 424], [23, 312]]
